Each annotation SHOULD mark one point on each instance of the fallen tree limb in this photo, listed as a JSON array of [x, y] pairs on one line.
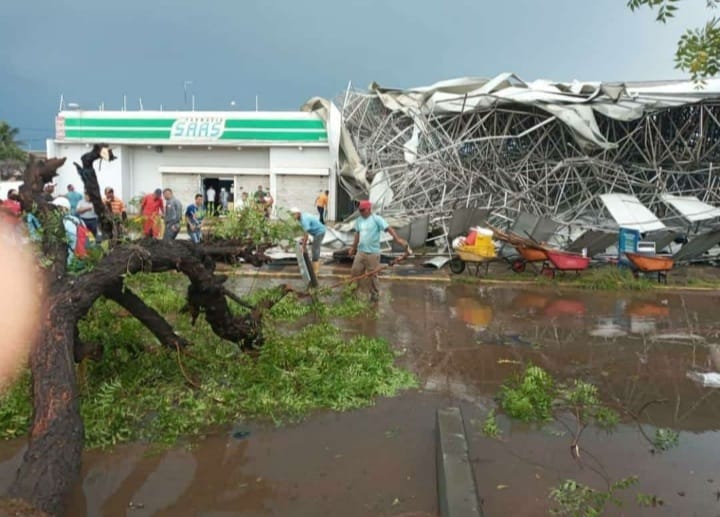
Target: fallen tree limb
[[148, 316], [51, 464]]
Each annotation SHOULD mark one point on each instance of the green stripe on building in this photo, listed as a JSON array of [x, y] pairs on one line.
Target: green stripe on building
[[167, 123], [273, 124], [118, 122], [119, 134], [228, 135], [295, 136]]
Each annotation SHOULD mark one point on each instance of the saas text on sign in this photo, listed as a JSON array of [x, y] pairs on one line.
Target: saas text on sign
[[197, 128]]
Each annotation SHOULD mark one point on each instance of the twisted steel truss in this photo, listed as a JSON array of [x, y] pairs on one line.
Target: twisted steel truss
[[520, 157]]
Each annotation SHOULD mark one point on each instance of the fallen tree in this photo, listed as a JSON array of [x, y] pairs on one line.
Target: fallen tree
[[51, 465]]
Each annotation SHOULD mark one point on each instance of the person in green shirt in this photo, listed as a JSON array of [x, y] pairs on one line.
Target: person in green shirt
[[74, 197]]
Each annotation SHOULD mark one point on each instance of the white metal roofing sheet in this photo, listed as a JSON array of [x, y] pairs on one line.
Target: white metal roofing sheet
[[630, 213], [691, 208]]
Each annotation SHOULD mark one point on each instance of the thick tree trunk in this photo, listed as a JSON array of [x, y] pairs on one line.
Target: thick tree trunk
[[51, 465]]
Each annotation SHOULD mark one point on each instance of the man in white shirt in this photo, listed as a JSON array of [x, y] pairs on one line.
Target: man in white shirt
[[210, 195]]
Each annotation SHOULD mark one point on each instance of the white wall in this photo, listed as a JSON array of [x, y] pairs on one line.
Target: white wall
[[109, 175], [5, 186], [138, 169], [146, 163], [295, 158], [306, 160]]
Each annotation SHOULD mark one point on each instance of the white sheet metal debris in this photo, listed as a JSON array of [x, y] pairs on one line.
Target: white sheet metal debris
[[706, 380], [629, 212], [436, 262], [691, 208]]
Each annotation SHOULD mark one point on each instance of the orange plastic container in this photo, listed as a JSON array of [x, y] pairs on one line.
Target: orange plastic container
[[470, 239]]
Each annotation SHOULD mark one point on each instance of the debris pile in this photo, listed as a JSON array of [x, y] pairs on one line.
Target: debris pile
[[543, 148]]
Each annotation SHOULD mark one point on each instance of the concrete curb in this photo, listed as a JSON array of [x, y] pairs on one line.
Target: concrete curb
[[457, 492]]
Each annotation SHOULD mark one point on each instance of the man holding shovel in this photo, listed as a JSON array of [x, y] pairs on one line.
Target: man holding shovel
[[366, 246], [311, 225]]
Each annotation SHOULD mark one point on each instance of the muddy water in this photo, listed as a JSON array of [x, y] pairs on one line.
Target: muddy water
[[463, 341]]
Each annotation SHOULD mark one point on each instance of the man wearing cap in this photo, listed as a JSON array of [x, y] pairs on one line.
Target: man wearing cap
[[152, 210], [49, 192], [114, 204], [314, 227], [366, 246]]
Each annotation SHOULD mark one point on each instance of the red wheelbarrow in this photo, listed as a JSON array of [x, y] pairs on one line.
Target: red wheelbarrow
[[564, 261]]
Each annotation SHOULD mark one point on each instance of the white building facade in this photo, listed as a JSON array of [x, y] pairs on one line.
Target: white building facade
[[284, 152]]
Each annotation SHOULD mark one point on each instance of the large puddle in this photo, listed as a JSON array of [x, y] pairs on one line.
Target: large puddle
[[463, 341]]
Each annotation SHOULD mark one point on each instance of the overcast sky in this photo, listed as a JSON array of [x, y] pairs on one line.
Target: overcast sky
[[287, 51]]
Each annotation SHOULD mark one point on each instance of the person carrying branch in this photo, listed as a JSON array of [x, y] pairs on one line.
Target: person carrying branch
[[369, 228]]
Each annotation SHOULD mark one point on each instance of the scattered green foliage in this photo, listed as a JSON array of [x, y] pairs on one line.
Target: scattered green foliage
[[649, 500], [249, 224], [534, 396], [698, 51], [490, 427], [582, 400], [612, 278], [577, 500], [529, 397], [138, 391], [665, 439], [15, 409], [605, 278]]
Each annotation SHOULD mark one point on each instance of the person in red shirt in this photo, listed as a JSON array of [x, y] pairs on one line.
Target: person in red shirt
[[152, 209], [12, 203]]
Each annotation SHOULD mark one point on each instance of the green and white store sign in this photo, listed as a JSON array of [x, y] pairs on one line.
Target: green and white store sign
[[200, 128]]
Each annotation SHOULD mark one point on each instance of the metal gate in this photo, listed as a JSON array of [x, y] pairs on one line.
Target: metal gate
[[184, 186], [299, 191]]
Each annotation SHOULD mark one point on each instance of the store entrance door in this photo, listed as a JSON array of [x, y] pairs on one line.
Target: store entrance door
[[220, 188]]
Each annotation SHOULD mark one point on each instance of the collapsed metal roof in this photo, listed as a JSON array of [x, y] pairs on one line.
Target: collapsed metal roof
[[575, 104], [549, 148]]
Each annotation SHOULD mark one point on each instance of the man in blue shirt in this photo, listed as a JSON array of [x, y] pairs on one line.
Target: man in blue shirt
[[366, 246], [74, 197], [193, 218], [312, 226]]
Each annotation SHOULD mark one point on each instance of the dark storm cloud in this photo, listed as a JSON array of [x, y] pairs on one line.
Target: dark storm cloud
[[287, 51]]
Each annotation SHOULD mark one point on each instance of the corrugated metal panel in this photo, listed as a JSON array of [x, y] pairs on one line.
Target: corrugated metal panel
[[691, 208], [629, 212], [299, 191], [184, 186]]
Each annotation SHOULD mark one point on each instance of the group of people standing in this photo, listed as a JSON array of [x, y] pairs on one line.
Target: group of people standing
[[163, 216]]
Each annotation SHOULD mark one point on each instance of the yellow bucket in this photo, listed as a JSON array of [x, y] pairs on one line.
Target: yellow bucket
[[483, 247]]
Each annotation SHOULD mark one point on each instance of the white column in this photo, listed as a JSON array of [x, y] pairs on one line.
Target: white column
[[273, 191]]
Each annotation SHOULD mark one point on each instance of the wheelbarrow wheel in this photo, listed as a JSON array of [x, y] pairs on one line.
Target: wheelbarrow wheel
[[518, 266], [548, 272], [457, 265]]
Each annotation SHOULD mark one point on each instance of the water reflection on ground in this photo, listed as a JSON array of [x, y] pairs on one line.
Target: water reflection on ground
[[463, 341], [468, 339]]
